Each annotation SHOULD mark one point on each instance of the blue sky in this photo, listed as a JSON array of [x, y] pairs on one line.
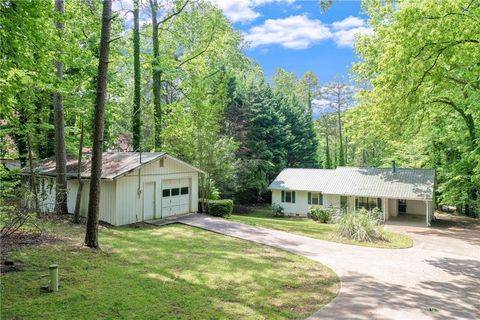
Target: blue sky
[[292, 34], [297, 36]]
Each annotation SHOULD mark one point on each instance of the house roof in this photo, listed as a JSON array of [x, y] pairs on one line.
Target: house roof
[[114, 164], [302, 179], [415, 184]]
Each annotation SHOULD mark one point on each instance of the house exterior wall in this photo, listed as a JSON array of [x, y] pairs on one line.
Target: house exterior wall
[[300, 207], [120, 202], [107, 197], [130, 203], [389, 206], [416, 207]]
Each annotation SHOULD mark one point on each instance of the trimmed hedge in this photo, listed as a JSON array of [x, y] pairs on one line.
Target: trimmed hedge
[[218, 208]]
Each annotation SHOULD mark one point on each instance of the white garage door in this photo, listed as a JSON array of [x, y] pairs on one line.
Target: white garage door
[[175, 197]]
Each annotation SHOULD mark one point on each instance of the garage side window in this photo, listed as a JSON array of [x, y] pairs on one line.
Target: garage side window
[[166, 192], [184, 190]]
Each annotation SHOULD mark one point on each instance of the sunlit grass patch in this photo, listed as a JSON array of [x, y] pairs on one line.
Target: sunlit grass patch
[[309, 228], [172, 271]]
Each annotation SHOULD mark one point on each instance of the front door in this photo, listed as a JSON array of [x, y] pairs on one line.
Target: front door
[[149, 201], [402, 206]]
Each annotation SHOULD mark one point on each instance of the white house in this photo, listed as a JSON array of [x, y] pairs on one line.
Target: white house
[[134, 187], [394, 191]]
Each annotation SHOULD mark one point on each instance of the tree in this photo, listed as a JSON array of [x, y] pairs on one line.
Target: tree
[[339, 95], [156, 69], [137, 111], [91, 236], [410, 82], [60, 151]]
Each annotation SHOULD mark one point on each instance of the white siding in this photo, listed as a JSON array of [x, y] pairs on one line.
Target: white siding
[[300, 207], [416, 207], [107, 198], [331, 200], [120, 202], [130, 202]]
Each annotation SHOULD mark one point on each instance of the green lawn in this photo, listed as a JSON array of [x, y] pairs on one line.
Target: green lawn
[[307, 227], [170, 272]]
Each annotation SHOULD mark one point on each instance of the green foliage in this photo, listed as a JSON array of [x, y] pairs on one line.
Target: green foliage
[[13, 215], [421, 92], [362, 225], [320, 214], [277, 210], [220, 208]]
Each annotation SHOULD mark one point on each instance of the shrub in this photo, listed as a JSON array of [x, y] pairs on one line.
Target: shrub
[[323, 215], [277, 210], [219, 208], [14, 216], [363, 225]]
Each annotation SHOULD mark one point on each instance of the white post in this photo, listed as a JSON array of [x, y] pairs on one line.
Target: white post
[[384, 210], [428, 220]]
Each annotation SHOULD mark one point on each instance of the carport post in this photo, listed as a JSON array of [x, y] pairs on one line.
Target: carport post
[[428, 220]]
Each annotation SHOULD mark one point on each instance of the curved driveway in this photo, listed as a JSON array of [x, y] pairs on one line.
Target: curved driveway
[[418, 283]]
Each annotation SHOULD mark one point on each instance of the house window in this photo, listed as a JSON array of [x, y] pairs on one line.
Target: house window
[[184, 190], [166, 192], [315, 198], [368, 203], [161, 163], [288, 196], [343, 201], [175, 192]]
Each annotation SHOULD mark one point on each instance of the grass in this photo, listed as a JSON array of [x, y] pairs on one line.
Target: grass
[[169, 272], [307, 227]]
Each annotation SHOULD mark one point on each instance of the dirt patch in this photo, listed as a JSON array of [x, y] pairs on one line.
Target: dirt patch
[[24, 239]]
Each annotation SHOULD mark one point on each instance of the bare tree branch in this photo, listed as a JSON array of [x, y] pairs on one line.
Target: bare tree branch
[[173, 14]]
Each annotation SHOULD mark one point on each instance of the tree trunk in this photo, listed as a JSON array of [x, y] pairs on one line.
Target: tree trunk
[[33, 180], [60, 152], [157, 78], [136, 121], [341, 156], [91, 236], [328, 161], [78, 201]]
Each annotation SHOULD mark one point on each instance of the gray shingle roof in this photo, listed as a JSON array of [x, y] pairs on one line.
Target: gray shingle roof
[[368, 182], [114, 164]]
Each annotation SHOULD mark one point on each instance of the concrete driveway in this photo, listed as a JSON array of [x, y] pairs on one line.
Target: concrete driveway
[[418, 283]]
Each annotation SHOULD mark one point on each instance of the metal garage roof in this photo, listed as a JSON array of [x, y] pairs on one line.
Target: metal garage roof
[[114, 164], [415, 184]]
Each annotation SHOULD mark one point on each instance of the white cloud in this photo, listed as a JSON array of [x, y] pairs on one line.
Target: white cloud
[[294, 32], [238, 10], [243, 10], [346, 38], [348, 23]]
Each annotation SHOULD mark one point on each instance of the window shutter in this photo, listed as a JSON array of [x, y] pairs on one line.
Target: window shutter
[[283, 196], [320, 199], [309, 198], [379, 203], [293, 196]]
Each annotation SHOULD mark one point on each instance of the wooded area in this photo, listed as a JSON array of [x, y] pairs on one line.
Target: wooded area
[[181, 83]]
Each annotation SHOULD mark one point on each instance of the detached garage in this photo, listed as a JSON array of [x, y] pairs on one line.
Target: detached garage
[[134, 187]]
